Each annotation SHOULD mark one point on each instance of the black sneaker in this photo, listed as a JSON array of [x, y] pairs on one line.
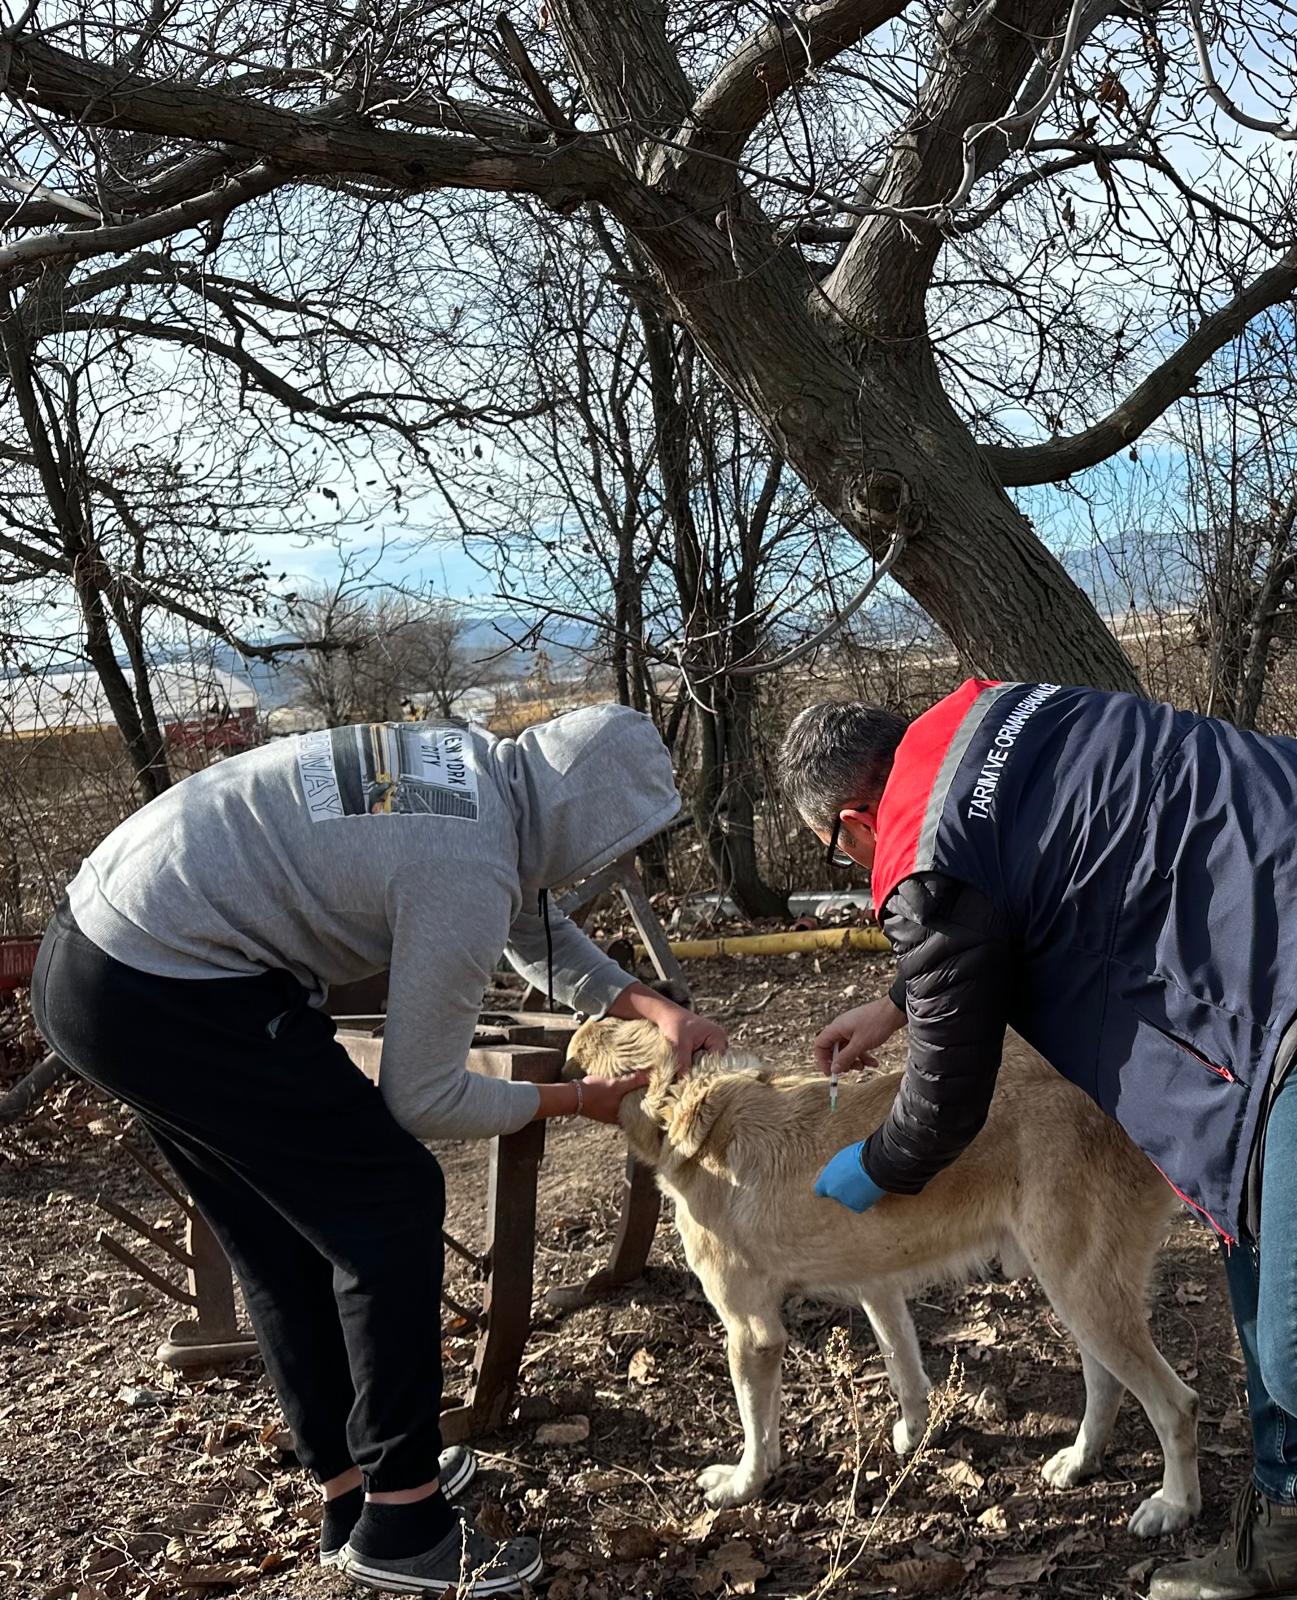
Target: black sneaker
[[456, 1468], [466, 1562]]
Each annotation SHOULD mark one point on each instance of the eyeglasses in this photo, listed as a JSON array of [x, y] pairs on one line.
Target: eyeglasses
[[833, 856]]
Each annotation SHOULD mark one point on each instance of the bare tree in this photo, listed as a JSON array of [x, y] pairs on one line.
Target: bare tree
[[1240, 526], [385, 649], [439, 665], [645, 508], [858, 211]]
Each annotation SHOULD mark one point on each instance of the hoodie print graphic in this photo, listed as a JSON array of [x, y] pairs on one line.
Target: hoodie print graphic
[[386, 768]]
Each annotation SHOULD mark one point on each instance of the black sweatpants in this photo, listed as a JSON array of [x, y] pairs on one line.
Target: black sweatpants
[[329, 1212]]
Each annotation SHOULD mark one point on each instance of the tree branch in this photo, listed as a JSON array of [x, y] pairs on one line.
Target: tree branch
[[324, 144], [620, 51], [883, 274], [80, 244], [750, 669], [1217, 95], [770, 61], [1019, 466], [66, 204]]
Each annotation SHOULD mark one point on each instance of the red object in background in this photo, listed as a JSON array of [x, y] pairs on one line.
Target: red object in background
[[18, 959], [232, 730]]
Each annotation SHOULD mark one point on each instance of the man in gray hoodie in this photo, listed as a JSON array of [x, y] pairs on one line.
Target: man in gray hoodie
[[185, 974]]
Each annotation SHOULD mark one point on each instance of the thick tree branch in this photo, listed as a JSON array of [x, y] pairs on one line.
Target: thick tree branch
[[289, 144], [770, 61], [81, 244], [66, 205], [1167, 383], [883, 274], [32, 214], [620, 51]]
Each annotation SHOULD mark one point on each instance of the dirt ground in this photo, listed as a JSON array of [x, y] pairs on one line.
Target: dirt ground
[[110, 1493]]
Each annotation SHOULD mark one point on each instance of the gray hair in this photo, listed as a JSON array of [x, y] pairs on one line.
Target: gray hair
[[836, 755]]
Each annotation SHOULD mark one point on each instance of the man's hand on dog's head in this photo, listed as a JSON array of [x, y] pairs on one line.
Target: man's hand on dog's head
[[688, 1034], [857, 1034]]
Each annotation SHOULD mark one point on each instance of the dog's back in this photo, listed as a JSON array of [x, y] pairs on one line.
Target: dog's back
[[1047, 1172]]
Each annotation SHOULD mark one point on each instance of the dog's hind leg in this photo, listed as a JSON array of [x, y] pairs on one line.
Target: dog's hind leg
[[755, 1340], [1112, 1330], [889, 1317]]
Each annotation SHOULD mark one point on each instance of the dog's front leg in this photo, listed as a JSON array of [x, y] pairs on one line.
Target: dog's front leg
[[756, 1351], [889, 1317]]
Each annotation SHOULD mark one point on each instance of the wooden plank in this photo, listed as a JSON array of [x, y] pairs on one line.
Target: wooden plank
[[523, 1063], [511, 1251]]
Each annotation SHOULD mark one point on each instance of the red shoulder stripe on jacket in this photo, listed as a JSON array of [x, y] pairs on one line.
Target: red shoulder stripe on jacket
[[912, 790]]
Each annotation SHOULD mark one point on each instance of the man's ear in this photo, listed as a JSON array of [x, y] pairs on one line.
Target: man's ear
[[865, 817]]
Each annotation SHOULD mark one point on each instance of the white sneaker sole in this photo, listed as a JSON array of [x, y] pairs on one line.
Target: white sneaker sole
[[400, 1583]]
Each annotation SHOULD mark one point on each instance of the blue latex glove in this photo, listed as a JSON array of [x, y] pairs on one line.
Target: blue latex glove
[[845, 1180]]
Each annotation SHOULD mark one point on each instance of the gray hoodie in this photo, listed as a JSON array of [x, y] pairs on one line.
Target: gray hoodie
[[419, 847]]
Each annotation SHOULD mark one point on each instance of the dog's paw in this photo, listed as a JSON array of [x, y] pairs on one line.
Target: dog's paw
[[1156, 1516], [906, 1435], [1068, 1467], [723, 1486]]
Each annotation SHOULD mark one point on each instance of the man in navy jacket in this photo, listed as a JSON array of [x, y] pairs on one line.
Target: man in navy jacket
[[1109, 876]]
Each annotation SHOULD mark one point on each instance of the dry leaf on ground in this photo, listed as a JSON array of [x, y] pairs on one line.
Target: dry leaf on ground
[[919, 1575], [733, 1569]]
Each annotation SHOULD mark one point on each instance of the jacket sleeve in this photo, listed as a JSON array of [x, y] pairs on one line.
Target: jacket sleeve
[[584, 977], [956, 956]]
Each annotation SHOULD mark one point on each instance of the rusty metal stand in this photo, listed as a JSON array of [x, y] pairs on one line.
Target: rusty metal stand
[[527, 1049], [211, 1336]]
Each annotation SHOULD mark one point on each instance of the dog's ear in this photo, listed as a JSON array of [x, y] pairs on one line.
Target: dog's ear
[[673, 989], [692, 1117]]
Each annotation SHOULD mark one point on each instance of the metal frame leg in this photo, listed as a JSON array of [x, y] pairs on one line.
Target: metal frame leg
[[213, 1337]]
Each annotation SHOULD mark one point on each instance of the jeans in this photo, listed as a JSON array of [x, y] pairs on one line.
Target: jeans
[[329, 1212], [1263, 1291]]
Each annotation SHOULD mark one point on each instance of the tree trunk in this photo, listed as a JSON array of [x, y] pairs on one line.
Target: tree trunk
[[153, 744], [147, 760], [724, 806], [868, 428]]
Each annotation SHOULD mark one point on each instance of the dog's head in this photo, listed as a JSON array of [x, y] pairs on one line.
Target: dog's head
[[681, 1111]]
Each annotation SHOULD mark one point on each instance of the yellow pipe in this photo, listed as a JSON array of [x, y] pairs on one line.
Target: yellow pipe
[[778, 944]]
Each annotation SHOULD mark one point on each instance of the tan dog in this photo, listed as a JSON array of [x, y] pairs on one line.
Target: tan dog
[[1049, 1184]]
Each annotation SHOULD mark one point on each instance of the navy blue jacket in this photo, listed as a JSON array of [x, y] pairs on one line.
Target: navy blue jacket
[[1114, 878]]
